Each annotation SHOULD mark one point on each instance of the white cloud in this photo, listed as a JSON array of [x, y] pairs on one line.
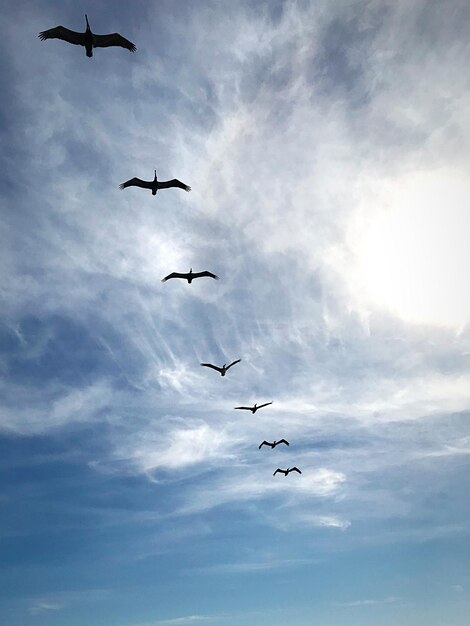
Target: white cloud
[[359, 603], [44, 607], [247, 567], [186, 619]]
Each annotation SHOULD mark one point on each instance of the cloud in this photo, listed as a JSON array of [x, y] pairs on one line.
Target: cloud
[[187, 619], [44, 607], [358, 603], [246, 567]]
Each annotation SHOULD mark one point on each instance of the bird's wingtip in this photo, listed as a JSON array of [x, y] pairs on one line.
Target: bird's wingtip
[[121, 186], [187, 188]]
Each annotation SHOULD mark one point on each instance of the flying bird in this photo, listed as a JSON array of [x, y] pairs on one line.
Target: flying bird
[[253, 409], [154, 184], [273, 444], [87, 39], [222, 370], [287, 471], [190, 276]]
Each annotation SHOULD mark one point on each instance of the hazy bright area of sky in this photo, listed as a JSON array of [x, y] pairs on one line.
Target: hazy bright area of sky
[[327, 147]]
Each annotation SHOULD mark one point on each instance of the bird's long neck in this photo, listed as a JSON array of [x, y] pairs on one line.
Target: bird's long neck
[[191, 270], [87, 24], [155, 177]]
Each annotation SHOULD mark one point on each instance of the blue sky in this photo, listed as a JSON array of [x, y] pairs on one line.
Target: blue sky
[[326, 144]]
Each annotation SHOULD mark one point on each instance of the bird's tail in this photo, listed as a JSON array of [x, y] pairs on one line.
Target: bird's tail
[[89, 52]]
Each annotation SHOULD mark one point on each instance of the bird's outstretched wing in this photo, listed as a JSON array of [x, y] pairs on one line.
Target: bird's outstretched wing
[[205, 273], [278, 470], [245, 408], [264, 443], [282, 441], [114, 39], [234, 363], [295, 469], [60, 32], [173, 275], [262, 405], [214, 367], [174, 182], [136, 182]]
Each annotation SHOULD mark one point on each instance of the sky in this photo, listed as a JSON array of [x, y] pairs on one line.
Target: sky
[[327, 147]]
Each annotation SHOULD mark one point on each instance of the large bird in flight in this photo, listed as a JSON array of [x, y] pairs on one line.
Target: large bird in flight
[[154, 184], [273, 444], [287, 471], [87, 39], [190, 276], [254, 408], [222, 370]]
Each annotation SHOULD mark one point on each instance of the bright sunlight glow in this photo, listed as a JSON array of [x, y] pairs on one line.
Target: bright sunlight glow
[[411, 250]]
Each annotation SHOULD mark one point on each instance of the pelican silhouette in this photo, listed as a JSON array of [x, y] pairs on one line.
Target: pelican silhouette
[[222, 370], [273, 444], [254, 408], [87, 39], [154, 184], [287, 471], [190, 276]]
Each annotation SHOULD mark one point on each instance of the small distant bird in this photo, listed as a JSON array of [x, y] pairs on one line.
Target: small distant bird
[[222, 370], [253, 409], [190, 276], [287, 471], [273, 444], [87, 39], [154, 184]]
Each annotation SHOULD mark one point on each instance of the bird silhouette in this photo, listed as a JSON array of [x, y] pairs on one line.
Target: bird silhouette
[[287, 471], [87, 39], [254, 408], [154, 184], [190, 276], [222, 370], [273, 444]]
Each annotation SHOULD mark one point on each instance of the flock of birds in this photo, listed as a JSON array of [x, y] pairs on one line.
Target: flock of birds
[[271, 444], [89, 40]]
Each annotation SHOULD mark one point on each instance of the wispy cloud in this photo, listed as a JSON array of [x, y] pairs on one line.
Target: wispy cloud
[[247, 567], [187, 619], [359, 603], [44, 607]]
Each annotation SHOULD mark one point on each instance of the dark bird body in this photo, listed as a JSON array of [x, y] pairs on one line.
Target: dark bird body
[[287, 471], [273, 444], [154, 184], [222, 370], [190, 276], [254, 408], [87, 39]]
